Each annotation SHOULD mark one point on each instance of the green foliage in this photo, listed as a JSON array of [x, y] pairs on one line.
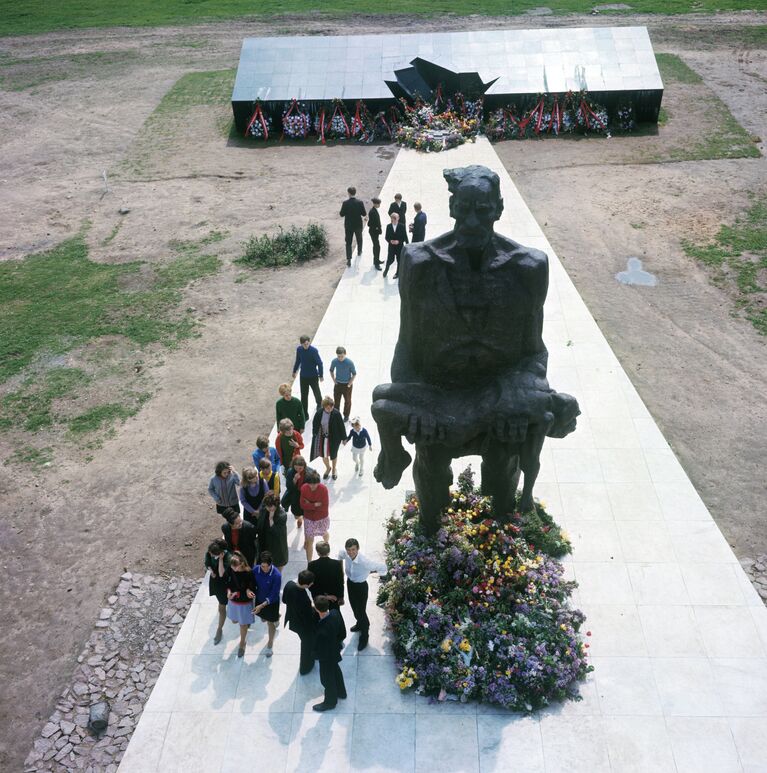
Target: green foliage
[[295, 245], [37, 16], [738, 260]]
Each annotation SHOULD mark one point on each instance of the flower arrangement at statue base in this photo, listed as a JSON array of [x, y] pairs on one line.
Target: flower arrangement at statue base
[[480, 610]]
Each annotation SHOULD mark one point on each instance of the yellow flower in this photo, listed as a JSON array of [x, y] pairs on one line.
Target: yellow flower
[[464, 646], [446, 644]]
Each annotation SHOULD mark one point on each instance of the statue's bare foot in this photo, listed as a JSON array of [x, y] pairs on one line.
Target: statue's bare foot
[[388, 471]]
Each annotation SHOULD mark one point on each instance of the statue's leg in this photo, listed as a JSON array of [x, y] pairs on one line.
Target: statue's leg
[[530, 460], [500, 477], [433, 476]]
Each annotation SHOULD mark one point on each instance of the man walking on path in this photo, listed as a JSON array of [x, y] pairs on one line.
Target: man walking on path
[[309, 364], [327, 648], [300, 617], [418, 226], [375, 231], [358, 567], [343, 373], [353, 212]]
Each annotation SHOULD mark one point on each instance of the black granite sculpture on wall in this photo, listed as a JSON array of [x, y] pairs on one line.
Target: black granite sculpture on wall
[[469, 368]]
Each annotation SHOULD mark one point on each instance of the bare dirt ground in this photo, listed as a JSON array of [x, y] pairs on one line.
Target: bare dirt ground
[[71, 112]]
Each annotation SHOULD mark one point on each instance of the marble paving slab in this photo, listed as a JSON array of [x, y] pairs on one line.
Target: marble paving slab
[[679, 635]]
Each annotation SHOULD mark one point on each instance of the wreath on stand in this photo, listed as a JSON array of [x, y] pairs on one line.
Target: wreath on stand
[[259, 124], [296, 121]]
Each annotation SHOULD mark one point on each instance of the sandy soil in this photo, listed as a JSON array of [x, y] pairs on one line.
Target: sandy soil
[[68, 531]]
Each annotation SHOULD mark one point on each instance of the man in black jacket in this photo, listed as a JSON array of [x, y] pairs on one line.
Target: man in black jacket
[[240, 535], [301, 617], [375, 231], [327, 647], [328, 578], [352, 211], [398, 206], [396, 237]]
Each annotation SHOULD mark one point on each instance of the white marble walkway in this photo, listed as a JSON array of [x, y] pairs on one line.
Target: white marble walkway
[[679, 638]]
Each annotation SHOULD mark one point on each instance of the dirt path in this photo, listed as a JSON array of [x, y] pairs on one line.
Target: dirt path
[[68, 532]]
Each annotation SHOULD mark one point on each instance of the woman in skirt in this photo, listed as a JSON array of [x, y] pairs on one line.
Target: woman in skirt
[[329, 431], [294, 479], [217, 561], [314, 503], [268, 583], [240, 591]]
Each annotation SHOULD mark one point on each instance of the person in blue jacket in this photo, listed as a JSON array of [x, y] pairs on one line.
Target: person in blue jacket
[[309, 364], [268, 583]]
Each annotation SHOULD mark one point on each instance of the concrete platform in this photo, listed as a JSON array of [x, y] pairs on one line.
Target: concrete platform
[[679, 638]]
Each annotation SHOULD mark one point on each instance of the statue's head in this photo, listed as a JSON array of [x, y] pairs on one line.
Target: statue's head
[[476, 203]]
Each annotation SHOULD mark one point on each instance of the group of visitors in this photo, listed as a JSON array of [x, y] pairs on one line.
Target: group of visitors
[[396, 235], [246, 565]]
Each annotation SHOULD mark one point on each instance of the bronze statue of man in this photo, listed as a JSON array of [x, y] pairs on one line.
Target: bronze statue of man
[[469, 368]]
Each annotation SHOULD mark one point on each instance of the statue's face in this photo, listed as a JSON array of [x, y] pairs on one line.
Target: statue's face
[[475, 209]]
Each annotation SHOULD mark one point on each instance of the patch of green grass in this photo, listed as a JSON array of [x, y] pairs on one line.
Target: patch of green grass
[[108, 239], [38, 16], [30, 455], [737, 258], [56, 300], [29, 407], [672, 68], [101, 416]]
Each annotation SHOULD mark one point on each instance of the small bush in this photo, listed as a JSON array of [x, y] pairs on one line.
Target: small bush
[[295, 245]]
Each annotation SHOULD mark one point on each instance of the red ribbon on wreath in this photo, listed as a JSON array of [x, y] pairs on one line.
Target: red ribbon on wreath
[[388, 128], [539, 110], [586, 111], [555, 117], [357, 120], [322, 126], [258, 115]]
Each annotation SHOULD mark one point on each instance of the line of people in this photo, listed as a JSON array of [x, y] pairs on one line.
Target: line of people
[[396, 235], [246, 565]]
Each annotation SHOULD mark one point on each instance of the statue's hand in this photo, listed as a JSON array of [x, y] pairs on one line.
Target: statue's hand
[[424, 428], [510, 429]]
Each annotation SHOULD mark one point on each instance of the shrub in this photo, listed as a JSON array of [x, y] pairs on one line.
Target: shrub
[[296, 245]]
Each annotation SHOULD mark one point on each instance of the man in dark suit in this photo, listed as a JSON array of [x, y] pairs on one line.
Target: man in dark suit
[[375, 231], [352, 211], [327, 647], [398, 206], [240, 535], [301, 617], [396, 237], [418, 226], [328, 578]]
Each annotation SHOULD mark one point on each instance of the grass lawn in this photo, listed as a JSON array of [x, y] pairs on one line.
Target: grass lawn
[[22, 18], [57, 302]]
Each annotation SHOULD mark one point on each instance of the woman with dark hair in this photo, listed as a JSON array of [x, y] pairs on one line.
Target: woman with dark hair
[[217, 561], [294, 479], [268, 583], [252, 492], [273, 530], [240, 590], [329, 432], [240, 535], [314, 502], [223, 487]]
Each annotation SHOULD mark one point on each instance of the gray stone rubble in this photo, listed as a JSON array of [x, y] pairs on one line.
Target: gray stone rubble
[[120, 663], [756, 569]]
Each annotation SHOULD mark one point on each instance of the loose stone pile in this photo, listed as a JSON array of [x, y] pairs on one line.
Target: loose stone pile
[[120, 664], [756, 569]]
